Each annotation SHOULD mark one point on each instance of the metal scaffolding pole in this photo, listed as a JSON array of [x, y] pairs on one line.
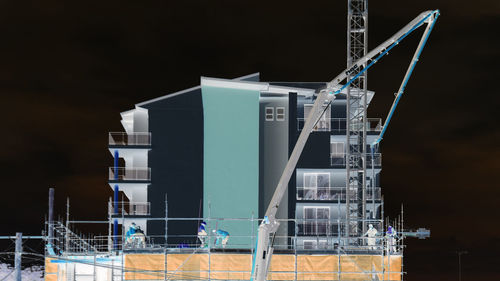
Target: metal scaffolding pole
[[51, 215], [18, 253]]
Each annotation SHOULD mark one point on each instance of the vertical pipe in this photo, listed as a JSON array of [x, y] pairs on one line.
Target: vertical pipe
[[165, 265], [296, 228], [110, 229], [253, 233], [115, 234], [95, 268], [67, 211], [66, 238], [115, 205], [51, 214], [117, 156], [17, 260], [339, 236], [116, 199], [122, 265], [166, 221]]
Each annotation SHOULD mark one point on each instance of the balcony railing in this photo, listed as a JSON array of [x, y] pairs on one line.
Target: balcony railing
[[337, 160], [121, 138], [333, 193], [131, 209], [129, 174], [339, 125]]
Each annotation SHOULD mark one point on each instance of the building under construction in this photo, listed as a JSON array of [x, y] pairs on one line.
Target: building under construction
[[198, 177]]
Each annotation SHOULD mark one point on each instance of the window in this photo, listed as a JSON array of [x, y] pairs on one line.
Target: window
[[269, 113], [316, 186], [316, 220], [323, 123], [280, 114], [337, 150]]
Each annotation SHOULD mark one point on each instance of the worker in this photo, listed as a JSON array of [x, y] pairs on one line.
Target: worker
[[221, 237], [139, 238], [131, 231], [138, 230], [391, 236], [371, 233], [202, 234]]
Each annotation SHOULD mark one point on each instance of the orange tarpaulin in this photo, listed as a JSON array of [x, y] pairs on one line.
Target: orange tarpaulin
[[239, 266]]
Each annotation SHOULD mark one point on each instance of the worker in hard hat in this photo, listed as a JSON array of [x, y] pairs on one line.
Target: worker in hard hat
[[131, 230], [202, 234], [371, 233], [221, 237], [391, 236], [139, 238]]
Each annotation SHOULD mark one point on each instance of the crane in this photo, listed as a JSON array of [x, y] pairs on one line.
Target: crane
[[269, 225]]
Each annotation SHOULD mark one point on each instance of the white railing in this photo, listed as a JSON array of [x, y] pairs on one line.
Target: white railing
[[121, 138], [331, 193], [132, 174], [131, 208], [339, 125], [337, 160]]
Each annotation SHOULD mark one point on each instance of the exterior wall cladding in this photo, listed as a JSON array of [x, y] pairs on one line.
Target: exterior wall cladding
[[178, 169]]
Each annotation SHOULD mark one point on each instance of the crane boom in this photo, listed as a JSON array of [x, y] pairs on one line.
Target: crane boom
[[269, 225]]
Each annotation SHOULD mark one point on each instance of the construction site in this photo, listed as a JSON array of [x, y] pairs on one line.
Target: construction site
[[271, 181]]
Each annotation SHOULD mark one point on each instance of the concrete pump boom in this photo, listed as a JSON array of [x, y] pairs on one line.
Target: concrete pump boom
[[269, 225]]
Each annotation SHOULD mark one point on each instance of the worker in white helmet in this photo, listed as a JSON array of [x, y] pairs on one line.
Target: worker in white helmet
[[202, 234], [371, 233], [391, 236]]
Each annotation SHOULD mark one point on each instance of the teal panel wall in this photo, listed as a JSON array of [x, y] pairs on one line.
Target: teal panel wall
[[231, 161]]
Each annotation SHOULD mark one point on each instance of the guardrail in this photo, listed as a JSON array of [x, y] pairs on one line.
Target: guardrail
[[311, 234], [129, 174], [340, 160], [340, 125], [332, 193], [131, 209], [122, 138]]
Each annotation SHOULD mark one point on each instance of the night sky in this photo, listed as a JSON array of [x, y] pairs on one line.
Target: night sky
[[68, 69]]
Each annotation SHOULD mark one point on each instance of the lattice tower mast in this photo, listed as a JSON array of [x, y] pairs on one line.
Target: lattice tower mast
[[356, 119]]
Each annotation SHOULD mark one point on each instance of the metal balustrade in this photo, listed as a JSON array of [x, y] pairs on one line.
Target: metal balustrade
[[129, 174], [329, 235], [333, 193], [122, 138], [131, 208], [339, 125], [339, 161]]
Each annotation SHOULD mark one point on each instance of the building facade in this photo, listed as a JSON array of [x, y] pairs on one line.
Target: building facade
[[217, 151]]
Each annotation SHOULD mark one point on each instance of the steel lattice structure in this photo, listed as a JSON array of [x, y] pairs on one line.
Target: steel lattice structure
[[356, 116]]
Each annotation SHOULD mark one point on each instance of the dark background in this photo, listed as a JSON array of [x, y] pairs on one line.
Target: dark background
[[68, 69]]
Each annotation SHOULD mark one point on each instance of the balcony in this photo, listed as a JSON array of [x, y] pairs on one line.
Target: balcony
[[338, 125], [130, 174], [339, 161], [334, 193], [317, 227], [131, 209], [132, 139]]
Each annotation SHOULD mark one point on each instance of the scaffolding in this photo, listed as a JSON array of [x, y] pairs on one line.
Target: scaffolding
[[356, 117], [183, 257]]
